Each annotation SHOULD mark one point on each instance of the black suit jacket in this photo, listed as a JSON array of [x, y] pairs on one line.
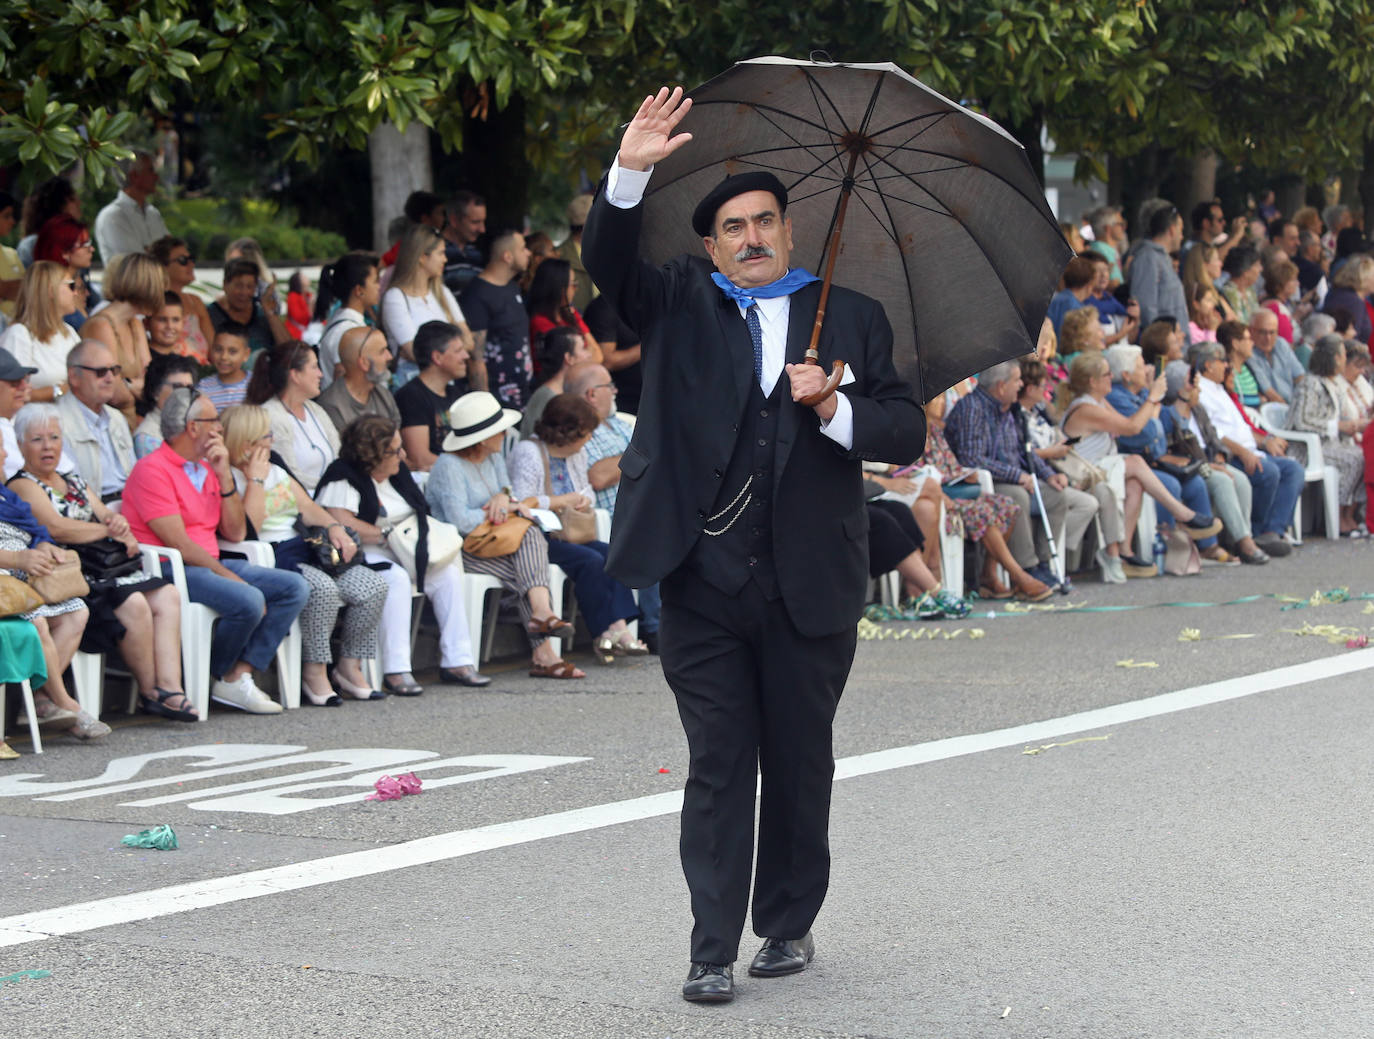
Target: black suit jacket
[[697, 365]]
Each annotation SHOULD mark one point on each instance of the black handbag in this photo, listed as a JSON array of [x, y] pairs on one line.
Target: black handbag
[[313, 548], [107, 559]]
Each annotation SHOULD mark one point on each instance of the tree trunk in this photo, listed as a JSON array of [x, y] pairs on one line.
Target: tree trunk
[[1116, 180], [1290, 195], [501, 172], [1367, 177], [1350, 187], [400, 165], [1202, 184]]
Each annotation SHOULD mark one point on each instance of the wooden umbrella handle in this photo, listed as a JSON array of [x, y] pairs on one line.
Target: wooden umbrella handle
[[836, 374]]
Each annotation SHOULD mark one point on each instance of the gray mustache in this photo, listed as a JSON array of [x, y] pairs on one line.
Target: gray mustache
[[751, 251]]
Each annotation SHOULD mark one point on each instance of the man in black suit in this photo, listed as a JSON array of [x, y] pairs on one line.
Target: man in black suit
[[748, 507]]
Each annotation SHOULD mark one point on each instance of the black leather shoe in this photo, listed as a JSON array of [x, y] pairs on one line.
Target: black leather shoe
[[709, 983], [780, 956], [650, 639], [466, 675]]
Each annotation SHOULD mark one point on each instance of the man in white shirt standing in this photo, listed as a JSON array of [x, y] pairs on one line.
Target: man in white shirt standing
[[131, 223]]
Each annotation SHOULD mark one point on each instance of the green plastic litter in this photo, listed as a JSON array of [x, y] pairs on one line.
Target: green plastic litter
[[17, 976], [159, 838]]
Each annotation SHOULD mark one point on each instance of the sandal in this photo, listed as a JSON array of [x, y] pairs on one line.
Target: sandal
[[553, 627], [7, 753], [558, 669], [993, 592], [1027, 592], [627, 646], [159, 706], [604, 648]]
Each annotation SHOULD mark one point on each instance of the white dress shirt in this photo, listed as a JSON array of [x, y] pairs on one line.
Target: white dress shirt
[[126, 227], [1226, 417], [625, 190]]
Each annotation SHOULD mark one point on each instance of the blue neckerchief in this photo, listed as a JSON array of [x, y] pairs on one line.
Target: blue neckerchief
[[794, 279], [15, 511]]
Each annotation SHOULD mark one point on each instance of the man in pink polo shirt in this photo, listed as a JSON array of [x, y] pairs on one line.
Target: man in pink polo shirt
[[174, 498]]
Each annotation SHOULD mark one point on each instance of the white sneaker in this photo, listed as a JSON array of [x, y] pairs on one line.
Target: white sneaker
[[1112, 572], [244, 695]]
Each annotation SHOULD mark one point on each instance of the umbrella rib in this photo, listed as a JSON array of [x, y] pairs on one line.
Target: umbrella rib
[[1033, 200], [991, 265], [906, 271]]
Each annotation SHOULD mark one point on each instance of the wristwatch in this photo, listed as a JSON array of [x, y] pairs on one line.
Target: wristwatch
[[258, 480]]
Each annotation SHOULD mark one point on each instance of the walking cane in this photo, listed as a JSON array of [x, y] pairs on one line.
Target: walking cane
[[1044, 512]]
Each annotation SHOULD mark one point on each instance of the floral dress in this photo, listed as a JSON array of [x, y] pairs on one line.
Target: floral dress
[[103, 631], [976, 514]]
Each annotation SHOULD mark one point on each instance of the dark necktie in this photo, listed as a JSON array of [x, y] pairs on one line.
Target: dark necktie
[[751, 318]]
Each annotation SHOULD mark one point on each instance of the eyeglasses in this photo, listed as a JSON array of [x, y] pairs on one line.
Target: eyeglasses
[[604, 386], [185, 261], [86, 244], [102, 371], [195, 396], [392, 452]]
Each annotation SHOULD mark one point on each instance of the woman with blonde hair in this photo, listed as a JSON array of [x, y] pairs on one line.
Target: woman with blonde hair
[[418, 294], [275, 502], [39, 338], [135, 292], [1079, 331], [1202, 266]]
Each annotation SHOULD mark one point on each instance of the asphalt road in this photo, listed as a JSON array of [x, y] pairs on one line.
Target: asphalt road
[[1166, 866]]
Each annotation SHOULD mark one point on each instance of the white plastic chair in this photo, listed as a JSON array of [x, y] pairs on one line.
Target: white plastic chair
[[1274, 417]]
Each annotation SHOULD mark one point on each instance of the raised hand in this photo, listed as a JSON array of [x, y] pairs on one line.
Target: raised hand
[[648, 139]]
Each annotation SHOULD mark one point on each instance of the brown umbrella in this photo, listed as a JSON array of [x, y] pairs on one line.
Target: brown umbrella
[[895, 190]]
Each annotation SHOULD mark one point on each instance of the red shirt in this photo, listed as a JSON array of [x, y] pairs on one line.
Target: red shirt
[[541, 326], [159, 486]]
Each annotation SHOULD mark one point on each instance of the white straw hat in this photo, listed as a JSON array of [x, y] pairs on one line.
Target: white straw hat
[[475, 416]]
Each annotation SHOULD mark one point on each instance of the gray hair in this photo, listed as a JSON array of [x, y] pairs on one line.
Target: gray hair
[[1200, 353], [35, 414], [77, 355], [1306, 238], [1324, 350], [1314, 326], [176, 411], [1332, 215], [126, 166], [1003, 371], [1121, 359], [1100, 218]]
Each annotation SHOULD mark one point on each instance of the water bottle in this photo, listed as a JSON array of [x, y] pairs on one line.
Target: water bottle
[[1159, 551]]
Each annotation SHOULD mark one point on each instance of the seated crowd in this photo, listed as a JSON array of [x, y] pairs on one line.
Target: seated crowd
[[150, 419], [443, 411]]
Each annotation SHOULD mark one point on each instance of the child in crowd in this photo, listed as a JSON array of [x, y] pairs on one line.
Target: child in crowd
[[167, 331], [1204, 315], [229, 357]]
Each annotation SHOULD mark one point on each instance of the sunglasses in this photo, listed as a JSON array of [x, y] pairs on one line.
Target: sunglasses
[[102, 371], [71, 284], [185, 261], [86, 244]]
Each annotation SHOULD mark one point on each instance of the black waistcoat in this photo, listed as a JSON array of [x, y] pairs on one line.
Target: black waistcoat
[[743, 509]]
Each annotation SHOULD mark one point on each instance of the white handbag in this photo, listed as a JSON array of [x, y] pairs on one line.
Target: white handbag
[[445, 543]]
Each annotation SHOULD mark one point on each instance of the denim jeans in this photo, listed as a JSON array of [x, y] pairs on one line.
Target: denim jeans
[[244, 631], [1276, 489], [601, 598], [649, 606]]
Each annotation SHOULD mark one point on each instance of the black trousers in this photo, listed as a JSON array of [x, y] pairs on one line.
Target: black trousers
[[892, 536], [754, 696]]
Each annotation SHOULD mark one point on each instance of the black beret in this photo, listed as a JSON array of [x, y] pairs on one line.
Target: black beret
[[704, 217]]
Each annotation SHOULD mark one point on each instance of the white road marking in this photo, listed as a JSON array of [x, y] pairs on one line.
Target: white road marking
[[202, 894]]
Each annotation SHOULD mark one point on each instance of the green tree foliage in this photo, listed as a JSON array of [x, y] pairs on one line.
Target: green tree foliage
[[343, 66]]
